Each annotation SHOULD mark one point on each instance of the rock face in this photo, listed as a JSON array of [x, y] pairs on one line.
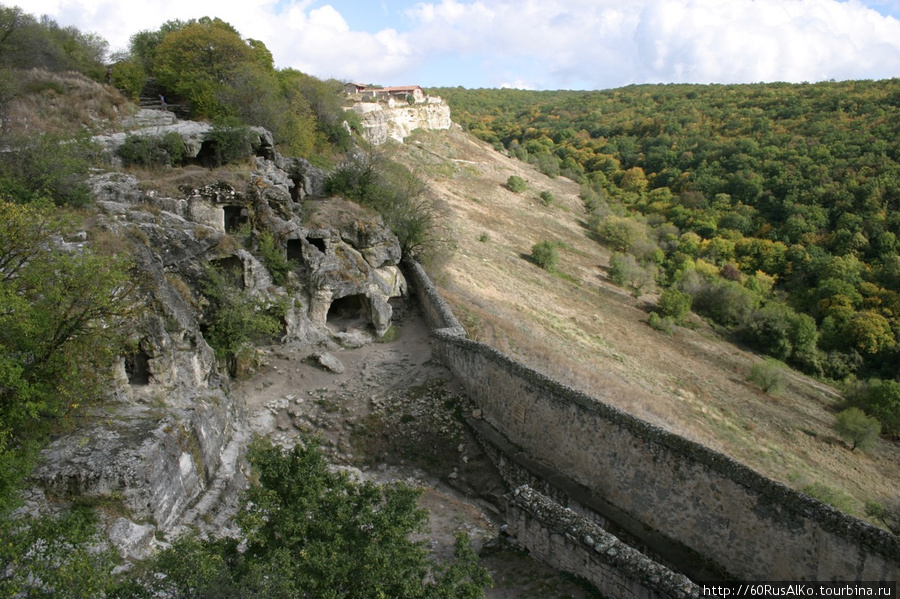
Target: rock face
[[169, 444], [382, 121]]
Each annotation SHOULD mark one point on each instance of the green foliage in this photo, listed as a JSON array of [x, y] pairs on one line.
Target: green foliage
[[782, 333], [516, 184], [230, 142], [625, 271], [274, 259], [793, 185], [313, 532], [545, 255], [546, 198], [832, 497], [674, 304], [233, 319], [55, 556], [888, 513], [663, 324], [152, 151], [47, 166], [129, 77], [881, 400], [196, 61], [398, 195], [857, 429], [58, 317], [27, 42], [769, 375]]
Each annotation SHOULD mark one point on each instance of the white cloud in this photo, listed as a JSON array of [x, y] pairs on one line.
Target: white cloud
[[543, 43]]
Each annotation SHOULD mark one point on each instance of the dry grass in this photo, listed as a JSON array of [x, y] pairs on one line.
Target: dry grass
[[62, 103], [579, 328]]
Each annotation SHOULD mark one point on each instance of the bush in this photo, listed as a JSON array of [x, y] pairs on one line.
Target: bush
[[769, 375], [229, 142], [625, 271], [857, 429], [516, 184], [546, 198], [545, 255], [674, 304], [47, 166], [663, 324], [881, 400], [312, 532], [888, 513], [274, 259], [152, 151]]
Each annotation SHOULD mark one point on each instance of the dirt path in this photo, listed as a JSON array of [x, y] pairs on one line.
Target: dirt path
[[393, 414]]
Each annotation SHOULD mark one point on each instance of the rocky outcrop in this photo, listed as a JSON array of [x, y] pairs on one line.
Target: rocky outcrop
[[169, 445], [382, 121]]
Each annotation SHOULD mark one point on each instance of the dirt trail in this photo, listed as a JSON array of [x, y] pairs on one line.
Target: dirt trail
[[392, 414]]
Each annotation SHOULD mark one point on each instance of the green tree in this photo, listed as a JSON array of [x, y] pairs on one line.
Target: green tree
[[197, 61], [674, 304], [317, 533], [59, 312], [625, 271], [545, 255], [856, 428]]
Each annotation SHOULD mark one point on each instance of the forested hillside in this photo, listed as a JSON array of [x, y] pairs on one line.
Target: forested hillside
[[770, 209]]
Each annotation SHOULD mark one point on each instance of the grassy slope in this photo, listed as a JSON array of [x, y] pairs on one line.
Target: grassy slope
[[580, 328]]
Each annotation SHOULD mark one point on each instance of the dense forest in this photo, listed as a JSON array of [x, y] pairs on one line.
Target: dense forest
[[773, 210]]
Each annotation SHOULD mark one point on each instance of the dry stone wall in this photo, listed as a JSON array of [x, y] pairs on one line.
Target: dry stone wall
[[572, 543], [753, 528]]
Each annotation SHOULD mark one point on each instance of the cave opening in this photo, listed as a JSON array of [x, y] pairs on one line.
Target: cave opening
[[235, 218], [231, 269], [295, 250], [317, 242], [137, 367], [350, 312]]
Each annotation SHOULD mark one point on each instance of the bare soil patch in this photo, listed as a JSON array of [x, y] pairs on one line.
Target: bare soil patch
[[395, 414]]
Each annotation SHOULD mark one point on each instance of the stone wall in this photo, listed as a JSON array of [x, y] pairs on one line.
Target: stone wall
[[751, 527], [573, 544]]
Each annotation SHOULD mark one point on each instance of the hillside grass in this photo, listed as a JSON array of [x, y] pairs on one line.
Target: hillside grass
[[579, 328]]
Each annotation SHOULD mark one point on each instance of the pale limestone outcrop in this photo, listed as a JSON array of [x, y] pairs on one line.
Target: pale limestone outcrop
[[390, 120]]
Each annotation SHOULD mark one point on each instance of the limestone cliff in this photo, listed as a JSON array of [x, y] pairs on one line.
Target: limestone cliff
[[169, 443], [397, 120]]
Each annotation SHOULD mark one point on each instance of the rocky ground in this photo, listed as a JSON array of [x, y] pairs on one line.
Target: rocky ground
[[389, 412]]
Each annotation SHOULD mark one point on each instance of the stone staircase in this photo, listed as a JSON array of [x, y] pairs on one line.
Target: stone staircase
[[151, 98]]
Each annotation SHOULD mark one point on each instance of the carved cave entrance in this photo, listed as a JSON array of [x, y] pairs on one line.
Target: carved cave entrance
[[350, 312], [235, 217], [317, 242], [137, 367], [231, 269], [295, 250]]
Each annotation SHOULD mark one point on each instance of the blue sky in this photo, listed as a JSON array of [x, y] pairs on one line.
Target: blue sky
[[536, 44]]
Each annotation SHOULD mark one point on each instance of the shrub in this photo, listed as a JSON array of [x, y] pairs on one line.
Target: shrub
[[663, 324], [769, 375], [274, 259], [888, 513], [230, 142], [516, 184], [307, 527], [546, 198], [625, 271], [674, 304], [152, 151], [545, 255], [857, 429]]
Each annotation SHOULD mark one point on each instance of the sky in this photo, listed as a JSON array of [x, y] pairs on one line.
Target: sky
[[535, 44]]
